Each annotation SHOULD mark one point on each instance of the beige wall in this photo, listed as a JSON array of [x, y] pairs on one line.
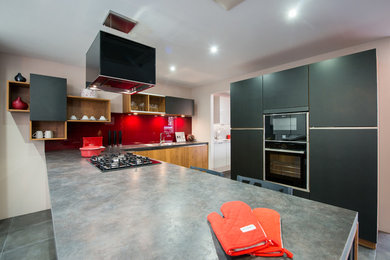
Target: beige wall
[[202, 119], [23, 177]]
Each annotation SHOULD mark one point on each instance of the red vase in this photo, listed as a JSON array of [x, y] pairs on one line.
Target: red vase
[[19, 104]]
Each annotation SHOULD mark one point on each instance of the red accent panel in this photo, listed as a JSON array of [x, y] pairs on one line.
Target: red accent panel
[[135, 129]]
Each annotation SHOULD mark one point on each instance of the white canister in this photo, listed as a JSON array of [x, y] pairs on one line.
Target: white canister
[[89, 93]]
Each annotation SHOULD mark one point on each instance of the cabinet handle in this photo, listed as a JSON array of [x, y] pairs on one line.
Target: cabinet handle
[[283, 151]]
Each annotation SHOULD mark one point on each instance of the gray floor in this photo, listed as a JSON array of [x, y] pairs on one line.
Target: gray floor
[[27, 237], [31, 237]]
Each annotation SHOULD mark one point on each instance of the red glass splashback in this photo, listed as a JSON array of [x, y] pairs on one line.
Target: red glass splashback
[[135, 129]]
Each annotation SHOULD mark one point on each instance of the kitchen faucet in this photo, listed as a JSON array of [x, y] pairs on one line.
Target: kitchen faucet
[[162, 138]]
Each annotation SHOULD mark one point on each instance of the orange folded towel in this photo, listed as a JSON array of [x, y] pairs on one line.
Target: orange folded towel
[[269, 219], [239, 231]]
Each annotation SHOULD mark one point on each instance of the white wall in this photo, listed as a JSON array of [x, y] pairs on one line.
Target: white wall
[[202, 119], [23, 176]]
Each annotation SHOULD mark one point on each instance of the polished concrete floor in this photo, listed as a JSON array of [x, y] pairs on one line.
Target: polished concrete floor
[[27, 237], [31, 237]]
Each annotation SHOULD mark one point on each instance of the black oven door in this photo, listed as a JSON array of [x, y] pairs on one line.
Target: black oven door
[[286, 167]]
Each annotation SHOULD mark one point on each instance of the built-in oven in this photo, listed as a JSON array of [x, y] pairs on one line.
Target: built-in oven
[[286, 147]]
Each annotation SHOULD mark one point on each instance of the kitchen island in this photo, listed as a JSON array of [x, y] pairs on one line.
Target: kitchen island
[[159, 212], [185, 154]]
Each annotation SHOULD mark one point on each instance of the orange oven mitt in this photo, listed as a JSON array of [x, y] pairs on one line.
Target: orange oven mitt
[[239, 231], [269, 219]]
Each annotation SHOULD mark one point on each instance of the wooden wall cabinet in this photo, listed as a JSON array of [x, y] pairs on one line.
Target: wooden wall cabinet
[[17, 89], [59, 129], [143, 103], [194, 155], [80, 106]]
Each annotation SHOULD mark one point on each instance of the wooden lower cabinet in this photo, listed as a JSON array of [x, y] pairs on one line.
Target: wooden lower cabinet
[[194, 155]]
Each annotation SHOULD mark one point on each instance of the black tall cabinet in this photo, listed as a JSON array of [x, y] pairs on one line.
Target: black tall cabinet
[[247, 153], [341, 96], [246, 103], [286, 91], [343, 136], [343, 172], [343, 91], [246, 121]]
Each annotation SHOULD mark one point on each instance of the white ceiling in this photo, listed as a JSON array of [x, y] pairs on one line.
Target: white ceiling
[[254, 35]]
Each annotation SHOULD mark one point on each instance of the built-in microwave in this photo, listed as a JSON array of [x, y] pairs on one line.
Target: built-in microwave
[[286, 147], [286, 127]]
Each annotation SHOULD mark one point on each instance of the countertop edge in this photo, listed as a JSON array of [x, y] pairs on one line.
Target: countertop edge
[[143, 147]]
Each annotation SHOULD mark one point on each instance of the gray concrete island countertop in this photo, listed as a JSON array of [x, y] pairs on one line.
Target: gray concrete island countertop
[[159, 212]]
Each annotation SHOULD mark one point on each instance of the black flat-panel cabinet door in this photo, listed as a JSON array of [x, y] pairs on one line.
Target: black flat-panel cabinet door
[[286, 91], [246, 109], [47, 98], [247, 153], [343, 91], [179, 106], [343, 172]]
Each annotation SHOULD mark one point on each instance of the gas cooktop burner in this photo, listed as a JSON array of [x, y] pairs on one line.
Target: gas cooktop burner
[[117, 161]]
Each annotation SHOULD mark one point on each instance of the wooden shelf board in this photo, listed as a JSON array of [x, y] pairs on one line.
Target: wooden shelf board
[[20, 84], [19, 110], [43, 139], [90, 99], [90, 121], [146, 112]]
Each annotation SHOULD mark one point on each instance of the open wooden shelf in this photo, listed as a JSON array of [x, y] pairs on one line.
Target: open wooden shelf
[[17, 89], [19, 110], [80, 106], [59, 129], [89, 121], [143, 103]]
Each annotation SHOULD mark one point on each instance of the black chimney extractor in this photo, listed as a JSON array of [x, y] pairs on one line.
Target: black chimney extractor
[[120, 65]]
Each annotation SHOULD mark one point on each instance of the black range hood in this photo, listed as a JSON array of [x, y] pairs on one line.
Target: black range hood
[[120, 65]]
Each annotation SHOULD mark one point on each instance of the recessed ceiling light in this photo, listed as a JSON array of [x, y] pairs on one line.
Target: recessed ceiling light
[[292, 13], [172, 68], [213, 49]]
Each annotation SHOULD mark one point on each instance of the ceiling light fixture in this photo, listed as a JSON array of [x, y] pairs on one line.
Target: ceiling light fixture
[[292, 13], [213, 49], [172, 68], [119, 22]]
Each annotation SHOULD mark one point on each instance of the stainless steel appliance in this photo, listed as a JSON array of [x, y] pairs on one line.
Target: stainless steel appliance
[[117, 161], [286, 147]]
